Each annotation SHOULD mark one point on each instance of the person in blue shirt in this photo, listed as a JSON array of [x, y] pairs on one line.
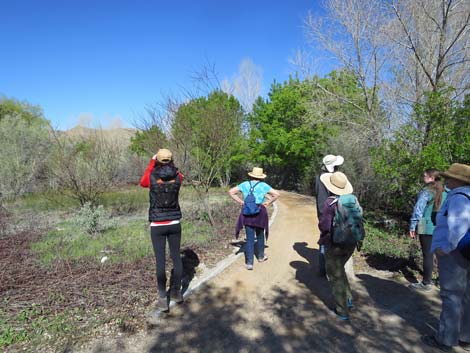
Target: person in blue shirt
[[429, 199], [257, 224], [450, 244]]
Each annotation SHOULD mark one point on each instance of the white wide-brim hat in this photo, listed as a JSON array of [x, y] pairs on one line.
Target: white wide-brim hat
[[331, 161], [337, 183]]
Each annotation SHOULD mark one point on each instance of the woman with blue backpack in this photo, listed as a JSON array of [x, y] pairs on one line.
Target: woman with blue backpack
[[429, 200], [257, 195]]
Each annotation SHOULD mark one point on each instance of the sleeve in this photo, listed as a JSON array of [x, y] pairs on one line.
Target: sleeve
[[418, 211], [145, 180], [327, 216], [321, 194], [458, 219]]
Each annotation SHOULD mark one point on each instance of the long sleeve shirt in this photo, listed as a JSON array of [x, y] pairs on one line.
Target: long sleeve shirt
[[326, 220], [145, 180], [424, 197], [453, 220]]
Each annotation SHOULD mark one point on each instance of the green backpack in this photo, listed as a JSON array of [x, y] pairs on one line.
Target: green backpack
[[348, 223]]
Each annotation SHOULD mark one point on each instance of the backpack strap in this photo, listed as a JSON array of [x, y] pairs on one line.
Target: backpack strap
[[252, 187]]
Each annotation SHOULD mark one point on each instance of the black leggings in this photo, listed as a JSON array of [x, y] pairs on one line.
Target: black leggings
[[428, 258], [159, 236]]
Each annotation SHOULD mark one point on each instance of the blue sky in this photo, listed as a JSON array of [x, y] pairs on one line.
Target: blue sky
[[111, 59]]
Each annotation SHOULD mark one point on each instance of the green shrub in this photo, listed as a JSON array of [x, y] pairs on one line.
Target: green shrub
[[93, 220]]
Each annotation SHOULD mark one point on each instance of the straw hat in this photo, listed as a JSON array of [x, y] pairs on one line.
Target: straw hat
[[257, 173], [331, 161], [458, 171], [164, 155], [337, 183]]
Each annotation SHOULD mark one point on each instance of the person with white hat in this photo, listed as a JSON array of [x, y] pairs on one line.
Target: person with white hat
[[451, 244], [258, 223], [330, 164], [164, 181]]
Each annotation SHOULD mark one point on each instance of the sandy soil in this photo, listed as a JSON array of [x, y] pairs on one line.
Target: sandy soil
[[283, 306]]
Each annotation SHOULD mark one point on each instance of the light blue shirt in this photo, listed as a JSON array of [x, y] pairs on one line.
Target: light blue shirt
[[260, 190], [424, 197], [453, 220]]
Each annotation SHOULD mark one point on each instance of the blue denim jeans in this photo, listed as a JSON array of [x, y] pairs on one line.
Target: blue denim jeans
[[250, 244]]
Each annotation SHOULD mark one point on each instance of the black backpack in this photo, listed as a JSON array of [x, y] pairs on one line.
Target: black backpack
[[250, 208]]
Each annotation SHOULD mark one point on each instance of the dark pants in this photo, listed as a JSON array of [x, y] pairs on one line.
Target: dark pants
[[428, 258], [336, 257], [160, 235]]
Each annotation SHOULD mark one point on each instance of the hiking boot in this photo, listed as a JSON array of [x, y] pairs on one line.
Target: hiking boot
[[249, 267], [176, 296], [341, 317], [162, 304], [263, 259], [465, 345], [431, 341], [420, 286]]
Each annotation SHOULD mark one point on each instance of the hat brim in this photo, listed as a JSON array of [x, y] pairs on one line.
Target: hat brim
[[325, 179], [455, 176], [257, 176], [331, 167]]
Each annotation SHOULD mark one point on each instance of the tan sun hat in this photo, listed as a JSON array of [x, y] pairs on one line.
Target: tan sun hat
[[164, 155], [257, 173], [458, 171], [331, 161], [337, 183]]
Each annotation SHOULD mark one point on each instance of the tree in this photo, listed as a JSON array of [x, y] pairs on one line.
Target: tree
[[402, 159], [84, 167], [24, 142], [206, 135], [281, 138]]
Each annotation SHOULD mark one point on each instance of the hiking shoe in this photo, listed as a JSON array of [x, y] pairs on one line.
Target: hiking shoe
[[465, 345], [176, 296], [341, 317], [420, 286], [263, 259], [162, 304], [431, 341], [249, 267], [350, 303]]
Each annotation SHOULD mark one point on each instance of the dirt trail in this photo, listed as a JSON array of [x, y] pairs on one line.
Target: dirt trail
[[283, 306]]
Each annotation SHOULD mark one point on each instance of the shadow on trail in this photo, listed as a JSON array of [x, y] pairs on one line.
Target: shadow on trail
[[420, 310]]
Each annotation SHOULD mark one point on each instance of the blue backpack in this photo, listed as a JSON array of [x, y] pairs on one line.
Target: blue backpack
[[348, 223], [250, 208]]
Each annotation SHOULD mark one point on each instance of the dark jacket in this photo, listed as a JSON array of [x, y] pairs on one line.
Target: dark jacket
[[261, 220], [164, 182], [325, 222], [321, 194]]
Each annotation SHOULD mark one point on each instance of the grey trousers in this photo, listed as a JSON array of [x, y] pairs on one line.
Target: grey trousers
[[454, 279]]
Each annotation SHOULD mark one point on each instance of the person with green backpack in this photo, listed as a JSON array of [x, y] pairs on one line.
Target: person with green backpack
[[342, 229], [429, 200]]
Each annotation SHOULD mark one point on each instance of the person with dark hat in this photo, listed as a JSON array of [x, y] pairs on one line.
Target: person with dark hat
[[164, 181], [451, 244]]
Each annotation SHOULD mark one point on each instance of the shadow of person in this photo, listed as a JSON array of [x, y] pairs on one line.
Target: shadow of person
[[307, 273], [421, 310]]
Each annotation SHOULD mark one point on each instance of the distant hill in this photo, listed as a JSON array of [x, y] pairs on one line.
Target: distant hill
[[122, 135]]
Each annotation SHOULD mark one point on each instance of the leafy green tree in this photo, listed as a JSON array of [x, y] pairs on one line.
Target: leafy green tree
[[147, 142], [437, 135], [282, 139], [207, 136]]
